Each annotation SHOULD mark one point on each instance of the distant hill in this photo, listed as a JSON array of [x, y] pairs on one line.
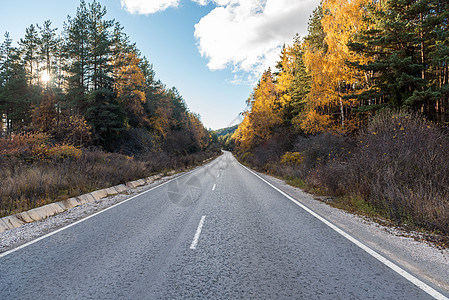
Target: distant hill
[[226, 131], [224, 137]]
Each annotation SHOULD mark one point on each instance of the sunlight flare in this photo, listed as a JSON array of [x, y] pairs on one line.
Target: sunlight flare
[[45, 77]]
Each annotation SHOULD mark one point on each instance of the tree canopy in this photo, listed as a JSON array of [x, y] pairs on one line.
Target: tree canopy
[[89, 80]]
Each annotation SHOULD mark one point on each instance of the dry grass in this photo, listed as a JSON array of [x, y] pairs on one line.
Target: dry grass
[[26, 185]]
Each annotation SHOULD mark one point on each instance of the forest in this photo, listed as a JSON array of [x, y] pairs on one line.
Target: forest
[[82, 109], [358, 109]]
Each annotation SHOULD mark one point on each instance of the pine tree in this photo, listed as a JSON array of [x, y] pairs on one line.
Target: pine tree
[[29, 47], [393, 47], [48, 48], [99, 45], [77, 50], [300, 86], [105, 116], [15, 106]]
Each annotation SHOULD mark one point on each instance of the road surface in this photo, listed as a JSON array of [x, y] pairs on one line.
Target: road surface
[[219, 232]]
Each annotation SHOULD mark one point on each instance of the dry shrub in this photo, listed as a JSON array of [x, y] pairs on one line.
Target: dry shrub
[[328, 179], [324, 148], [64, 151], [316, 154], [401, 169], [36, 146], [292, 158], [27, 146]]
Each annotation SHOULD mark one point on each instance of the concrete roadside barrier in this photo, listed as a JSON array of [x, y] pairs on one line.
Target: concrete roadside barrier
[[25, 217], [86, 198], [43, 212], [12, 222], [97, 195], [33, 214], [3, 226], [68, 203], [120, 188]]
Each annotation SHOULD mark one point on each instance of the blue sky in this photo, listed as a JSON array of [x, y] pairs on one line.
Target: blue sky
[[212, 51]]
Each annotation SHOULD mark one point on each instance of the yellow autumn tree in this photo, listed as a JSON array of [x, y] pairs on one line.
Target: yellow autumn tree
[[332, 76], [264, 115], [128, 85], [285, 77], [162, 119], [244, 134], [200, 135]]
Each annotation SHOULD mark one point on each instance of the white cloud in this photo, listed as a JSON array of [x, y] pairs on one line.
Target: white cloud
[[201, 2], [247, 35], [147, 7], [244, 35]]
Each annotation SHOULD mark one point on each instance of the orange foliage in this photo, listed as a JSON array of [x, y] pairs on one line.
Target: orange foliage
[[200, 134], [64, 151], [129, 86], [265, 114], [130, 78], [332, 77], [285, 78], [36, 146]]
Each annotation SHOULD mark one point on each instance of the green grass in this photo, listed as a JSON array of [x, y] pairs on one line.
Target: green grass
[[296, 182], [356, 204]]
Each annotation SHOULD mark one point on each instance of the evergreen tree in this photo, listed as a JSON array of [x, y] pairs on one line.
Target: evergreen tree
[[105, 116], [29, 47], [316, 35], [101, 90], [396, 66], [99, 45], [76, 49], [15, 106], [300, 86], [48, 49]]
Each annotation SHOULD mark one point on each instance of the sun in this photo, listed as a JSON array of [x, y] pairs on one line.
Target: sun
[[45, 77]]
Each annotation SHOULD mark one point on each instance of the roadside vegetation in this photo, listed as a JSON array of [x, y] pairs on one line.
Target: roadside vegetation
[[81, 109], [359, 112], [36, 172]]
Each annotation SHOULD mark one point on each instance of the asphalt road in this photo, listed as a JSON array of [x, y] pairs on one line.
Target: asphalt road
[[219, 232]]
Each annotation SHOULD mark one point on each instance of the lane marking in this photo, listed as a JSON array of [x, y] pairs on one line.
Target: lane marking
[[218, 175], [213, 188], [197, 233], [93, 215], [420, 284]]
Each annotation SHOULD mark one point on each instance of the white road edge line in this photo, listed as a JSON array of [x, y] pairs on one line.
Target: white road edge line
[[420, 284], [197, 233], [87, 218], [213, 188]]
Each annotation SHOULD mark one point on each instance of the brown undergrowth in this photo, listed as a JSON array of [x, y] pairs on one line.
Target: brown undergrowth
[[38, 173]]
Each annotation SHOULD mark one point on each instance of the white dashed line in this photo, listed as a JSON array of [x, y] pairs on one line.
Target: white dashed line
[[213, 188], [197, 233]]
